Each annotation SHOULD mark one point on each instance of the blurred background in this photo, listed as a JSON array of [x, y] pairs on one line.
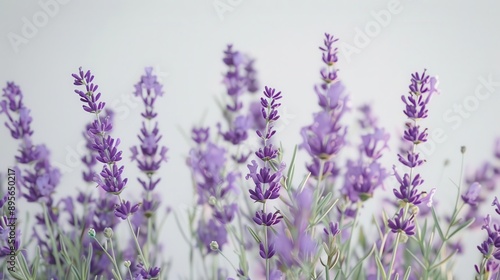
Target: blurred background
[[381, 44]]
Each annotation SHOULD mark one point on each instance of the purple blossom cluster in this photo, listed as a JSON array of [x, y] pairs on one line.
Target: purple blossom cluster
[[324, 138], [422, 88], [267, 176], [149, 155], [36, 177], [207, 163], [489, 268], [366, 174], [107, 152], [299, 235], [239, 79], [110, 178], [39, 177]]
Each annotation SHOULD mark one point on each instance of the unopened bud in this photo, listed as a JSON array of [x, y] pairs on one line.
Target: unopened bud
[[463, 149], [91, 232], [212, 200], [214, 246], [108, 233], [127, 263]]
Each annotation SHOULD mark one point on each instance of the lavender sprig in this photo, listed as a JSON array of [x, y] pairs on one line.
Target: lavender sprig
[[422, 88], [149, 155], [110, 179], [324, 138], [38, 178], [490, 248], [267, 182]]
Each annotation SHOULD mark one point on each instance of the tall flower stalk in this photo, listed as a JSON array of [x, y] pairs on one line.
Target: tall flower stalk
[[110, 179], [149, 155], [38, 177], [422, 88], [267, 176]]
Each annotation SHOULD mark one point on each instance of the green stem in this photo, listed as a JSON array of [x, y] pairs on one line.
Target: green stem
[[266, 247], [349, 242], [396, 244], [111, 258], [144, 259], [48, 224], [146, 264]]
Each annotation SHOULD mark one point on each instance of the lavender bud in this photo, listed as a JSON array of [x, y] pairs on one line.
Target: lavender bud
[[108, 233], [214, 246], [403, 238], [463, 149], [212, 200], [127, 264], [91, 232]]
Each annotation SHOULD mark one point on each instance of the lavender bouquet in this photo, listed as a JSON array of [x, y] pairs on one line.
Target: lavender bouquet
[[255, 213]]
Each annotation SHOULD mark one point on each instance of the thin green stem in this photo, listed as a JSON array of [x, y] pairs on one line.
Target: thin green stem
[[111, 258], [112, 249], [349, 242], [146, 264], [327, 273], [396, 244], [130, 272], [266, 247], [139, 249], [48, 224], [391, 265]]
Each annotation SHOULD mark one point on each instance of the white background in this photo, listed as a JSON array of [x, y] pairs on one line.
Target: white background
[[184, 40]]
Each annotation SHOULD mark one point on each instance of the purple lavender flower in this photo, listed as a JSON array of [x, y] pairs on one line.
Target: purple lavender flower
[[239, 78], [294, 244], [149, 154], [110, 178], [324, 138], [200, 135], [226, 214], [267, 182], [146, 274], [211, 231], [490, 247], [266, 252], [39, 178], [332, 230], [422, 88], [472, 194], [497, 205], [401, 224], [125, 209], [207, 162], [267, 219], [366, 174], [361, 181]]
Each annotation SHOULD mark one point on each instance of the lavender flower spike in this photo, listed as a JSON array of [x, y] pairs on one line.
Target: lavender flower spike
[[267, 182], [110, 178]]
